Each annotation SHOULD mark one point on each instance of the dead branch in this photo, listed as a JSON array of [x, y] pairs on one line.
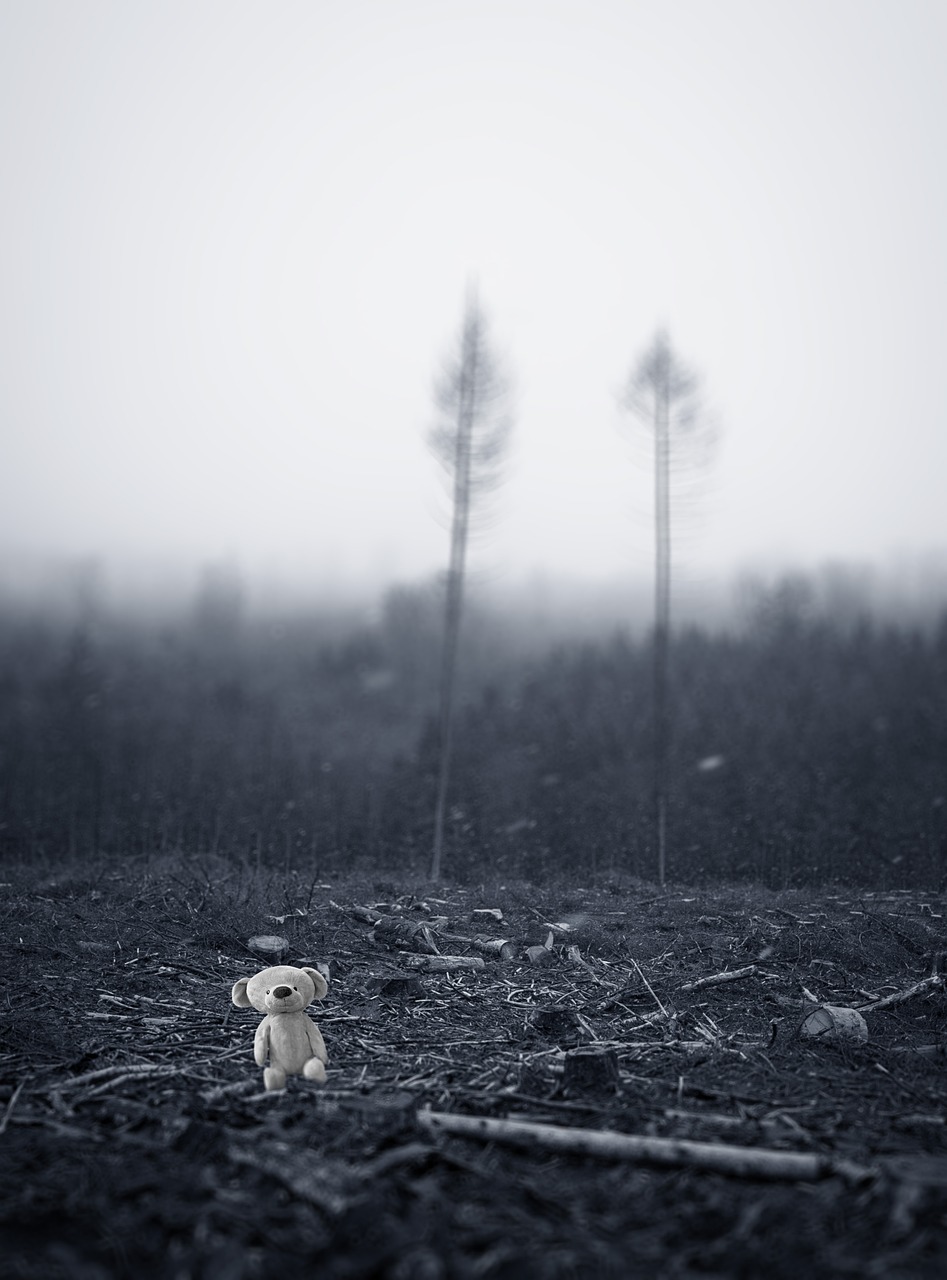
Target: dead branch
[[441, 964], [715, 979], [9, 1108], [125, 1069], [739, 1162], [920, 988], [649, 986]]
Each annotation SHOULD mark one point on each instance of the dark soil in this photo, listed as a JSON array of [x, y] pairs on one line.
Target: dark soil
[[136, 1139]]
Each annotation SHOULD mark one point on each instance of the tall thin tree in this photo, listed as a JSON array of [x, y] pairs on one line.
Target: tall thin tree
[[469, 441], [662, 394]]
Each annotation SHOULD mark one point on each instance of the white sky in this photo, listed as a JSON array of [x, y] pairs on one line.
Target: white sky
[[235, 236]]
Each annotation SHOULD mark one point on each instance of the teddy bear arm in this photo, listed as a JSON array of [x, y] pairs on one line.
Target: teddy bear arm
[[316, 1041], [261, 1042]]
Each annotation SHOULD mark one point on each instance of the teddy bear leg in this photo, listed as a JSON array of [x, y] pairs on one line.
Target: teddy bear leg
[[315, 1070], [274, 1078]]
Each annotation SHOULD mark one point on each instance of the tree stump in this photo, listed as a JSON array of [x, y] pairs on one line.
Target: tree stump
[[269, 947], [397, 986], [591, 1070], [556, 1022]]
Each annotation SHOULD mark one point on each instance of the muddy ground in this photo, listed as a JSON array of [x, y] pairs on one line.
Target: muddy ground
[[136, 1138]]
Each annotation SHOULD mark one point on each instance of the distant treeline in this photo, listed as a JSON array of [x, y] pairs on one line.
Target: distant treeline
[[806, 748]]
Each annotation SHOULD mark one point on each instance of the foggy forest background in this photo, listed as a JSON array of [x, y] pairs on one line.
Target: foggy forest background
[[809, 731]]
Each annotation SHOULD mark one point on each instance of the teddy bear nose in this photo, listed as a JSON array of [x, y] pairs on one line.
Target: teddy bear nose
[[282, 992]]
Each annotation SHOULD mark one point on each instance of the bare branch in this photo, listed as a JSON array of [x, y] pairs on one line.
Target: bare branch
[[740, 1162]]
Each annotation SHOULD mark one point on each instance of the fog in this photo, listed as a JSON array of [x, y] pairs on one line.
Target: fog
[[235, 240]]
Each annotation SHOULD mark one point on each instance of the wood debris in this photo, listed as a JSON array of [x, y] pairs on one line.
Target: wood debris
[[740, 1162], [716, 979]]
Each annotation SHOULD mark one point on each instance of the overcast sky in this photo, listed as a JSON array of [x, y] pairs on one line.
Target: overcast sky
[[235, 237]]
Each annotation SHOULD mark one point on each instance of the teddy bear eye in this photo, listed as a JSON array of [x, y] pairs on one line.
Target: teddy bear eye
[[295, 988]]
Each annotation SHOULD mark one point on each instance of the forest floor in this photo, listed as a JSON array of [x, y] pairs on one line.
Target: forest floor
[[136, 1138]]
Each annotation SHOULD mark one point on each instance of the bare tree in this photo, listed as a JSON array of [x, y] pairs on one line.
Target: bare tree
[[662, 393], [469, 441]]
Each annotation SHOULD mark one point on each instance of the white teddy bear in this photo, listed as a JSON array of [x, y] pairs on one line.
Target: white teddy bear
[[287, 1035]]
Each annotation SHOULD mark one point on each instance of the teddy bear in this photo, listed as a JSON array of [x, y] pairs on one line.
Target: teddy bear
[[287, 1035]]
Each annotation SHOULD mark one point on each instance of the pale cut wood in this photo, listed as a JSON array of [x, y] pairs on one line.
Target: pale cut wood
[[495, 948], [715, 1157], [269, 946]]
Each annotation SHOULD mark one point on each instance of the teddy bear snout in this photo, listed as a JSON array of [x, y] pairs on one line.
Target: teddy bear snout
[[282, 992]]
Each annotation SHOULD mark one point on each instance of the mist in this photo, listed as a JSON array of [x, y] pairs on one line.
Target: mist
[[234, 244]]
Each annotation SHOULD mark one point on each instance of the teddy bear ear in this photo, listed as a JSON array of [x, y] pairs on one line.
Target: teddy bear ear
[[319, 982], [239, 994]]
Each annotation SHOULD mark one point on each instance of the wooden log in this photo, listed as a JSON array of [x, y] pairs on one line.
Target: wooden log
[[714, 1157], [366, 914], [495, 948], [442, 964], [405, 935]]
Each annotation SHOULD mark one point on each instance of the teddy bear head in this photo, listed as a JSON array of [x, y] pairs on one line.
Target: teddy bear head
[[281, 989]]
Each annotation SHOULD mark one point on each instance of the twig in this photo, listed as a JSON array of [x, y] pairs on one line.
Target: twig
[[649, 986], [740, 1162], [10, 1105]]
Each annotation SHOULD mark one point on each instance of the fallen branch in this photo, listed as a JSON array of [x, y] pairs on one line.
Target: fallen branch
[[136, 1069], [441, 964], [739, 1162], [899, 997], [715, 979], [649, 986], [10, 1105]]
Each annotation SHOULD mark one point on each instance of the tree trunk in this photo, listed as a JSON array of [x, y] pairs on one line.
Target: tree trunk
[[662, 616], [455, 586]]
